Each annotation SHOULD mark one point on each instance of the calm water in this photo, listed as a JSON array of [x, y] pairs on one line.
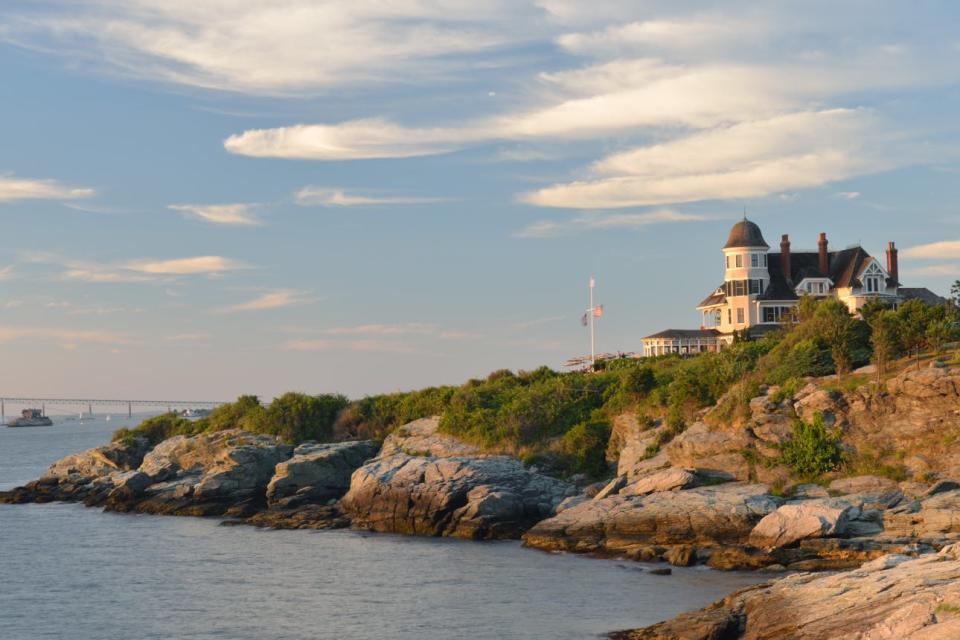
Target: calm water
[[71, 572]]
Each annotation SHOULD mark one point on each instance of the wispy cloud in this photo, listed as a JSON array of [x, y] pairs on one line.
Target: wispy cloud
[[268, 48], [273, 300], [410, 328], [335, 197], [8, 273], [227, 214], [600, 221], [847, 195], [64, 336], [186, 266], [372, 346], [187, 338], [536, 322], [945, 249], [13, 188], [948, 270]]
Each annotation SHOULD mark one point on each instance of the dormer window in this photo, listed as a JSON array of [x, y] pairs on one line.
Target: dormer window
[[873, 279]]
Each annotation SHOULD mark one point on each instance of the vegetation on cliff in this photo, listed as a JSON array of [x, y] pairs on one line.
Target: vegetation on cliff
[[562, 421]]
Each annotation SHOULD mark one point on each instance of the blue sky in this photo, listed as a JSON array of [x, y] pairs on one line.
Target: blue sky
[[207, 199]]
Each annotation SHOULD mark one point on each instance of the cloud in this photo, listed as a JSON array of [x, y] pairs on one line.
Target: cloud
[[7, 273], [270, 48], [333, 197], [187, 338], [186, 266], [847, 195], [229, 214], [13, 189], [410, 328], [372, 346], [67, 337], [272, 300], [945, 249], [598, 221], [937, 270], [746, 160]]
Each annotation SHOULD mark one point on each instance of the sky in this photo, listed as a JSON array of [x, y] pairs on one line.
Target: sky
[[203, 199]]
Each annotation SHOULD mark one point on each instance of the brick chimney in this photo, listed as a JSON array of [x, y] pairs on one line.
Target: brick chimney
[[893, 264], [785, 265], [824, 256]]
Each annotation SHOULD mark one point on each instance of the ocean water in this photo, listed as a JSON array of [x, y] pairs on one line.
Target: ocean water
[[71, 572]]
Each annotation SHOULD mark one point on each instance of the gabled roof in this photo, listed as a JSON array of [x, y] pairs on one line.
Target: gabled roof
[[923, 294], [845, 268]]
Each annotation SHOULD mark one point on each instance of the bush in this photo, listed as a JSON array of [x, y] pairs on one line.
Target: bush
[[157, 429], [585, 446], [813, 450]]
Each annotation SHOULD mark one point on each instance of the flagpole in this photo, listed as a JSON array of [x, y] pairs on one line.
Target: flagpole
[[593, 356]]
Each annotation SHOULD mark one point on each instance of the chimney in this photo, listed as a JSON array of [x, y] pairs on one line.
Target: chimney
[[785, 258], [824, 257], [893, 265]]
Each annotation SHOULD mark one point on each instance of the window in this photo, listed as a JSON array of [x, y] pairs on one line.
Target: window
[[769, 314], [739, 288], [754, 259], [729, 316], [739, 261], [739, 316], [726, 260], [756, 286], [820, 287], [764, 259]]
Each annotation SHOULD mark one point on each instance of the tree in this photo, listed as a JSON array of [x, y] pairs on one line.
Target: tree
[[885, 340], [913, 317], [939, 333], [955, 293], [837, 327]]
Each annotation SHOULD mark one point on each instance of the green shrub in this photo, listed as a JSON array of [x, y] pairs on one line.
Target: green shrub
[[157, 429], [813, 450], [585, 446]]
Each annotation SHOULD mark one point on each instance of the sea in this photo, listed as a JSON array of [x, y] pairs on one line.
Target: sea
[[70, 572]]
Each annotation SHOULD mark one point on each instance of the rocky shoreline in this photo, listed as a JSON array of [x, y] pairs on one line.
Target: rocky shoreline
[[702, 499]]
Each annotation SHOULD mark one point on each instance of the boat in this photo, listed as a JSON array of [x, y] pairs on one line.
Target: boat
[[31, 418]]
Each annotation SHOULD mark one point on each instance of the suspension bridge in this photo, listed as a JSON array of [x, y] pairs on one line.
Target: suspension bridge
[[79, 404]]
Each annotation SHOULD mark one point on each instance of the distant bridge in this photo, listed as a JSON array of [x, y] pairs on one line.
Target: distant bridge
[[90, 403]]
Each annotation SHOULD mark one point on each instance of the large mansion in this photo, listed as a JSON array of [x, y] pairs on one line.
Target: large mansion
[[760, 288]]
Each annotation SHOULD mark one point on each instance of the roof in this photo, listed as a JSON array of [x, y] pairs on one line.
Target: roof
[[745, 234], [717, 297], [845, 268], [685, 333], [923, 294]]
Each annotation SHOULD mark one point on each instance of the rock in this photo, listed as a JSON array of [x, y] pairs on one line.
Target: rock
[[592, 490], [319, 472], [863, 484], [490, 497], [797, 521], [423, 438], [667, 480], [899, 599], [681, 555], [661, 571], [80, 468], [569, 503], [629, 444], [704, 516], [942, 486], [701, 448], [311, 516], [810, 491], [612, 488], [823, 401]]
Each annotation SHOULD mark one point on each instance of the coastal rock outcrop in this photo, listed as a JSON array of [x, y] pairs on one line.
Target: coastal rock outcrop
[[706, 516], [892, 597], [423, 438], [477, 498], [318, 472], [808, 519]]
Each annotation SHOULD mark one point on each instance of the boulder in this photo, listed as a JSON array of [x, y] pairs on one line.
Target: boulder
[[703, 516], [612, 488], [667, 480], [477, 498], [702, 448], [797, 521], [863, 484], [81, 468], [423, 438], [318, 472], [893, 597]]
